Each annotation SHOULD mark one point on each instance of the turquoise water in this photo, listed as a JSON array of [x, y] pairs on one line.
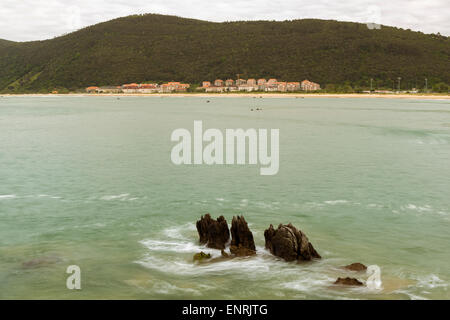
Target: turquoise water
[[88, 181]]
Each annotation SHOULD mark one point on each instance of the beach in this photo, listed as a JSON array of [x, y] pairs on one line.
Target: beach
[[248, 95]]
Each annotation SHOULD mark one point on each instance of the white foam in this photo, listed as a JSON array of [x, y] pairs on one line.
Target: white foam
[[264, 205], [243, 203], [431, 281], [263, 265], [172, 246], [249, 267], [177, 232], [411, 295], [306, 283], [333, 202], [119, 197], [164, 287], [425, 208], [7, 196], [374, 205]]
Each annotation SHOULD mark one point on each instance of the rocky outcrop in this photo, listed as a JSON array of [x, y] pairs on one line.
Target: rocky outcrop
[[201, 256], [289, 243], [242, 243], [356, 267], [213, 233], [348, 282], [240, 251]]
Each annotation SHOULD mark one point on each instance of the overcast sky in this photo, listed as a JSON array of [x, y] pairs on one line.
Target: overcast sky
[[23, 20]]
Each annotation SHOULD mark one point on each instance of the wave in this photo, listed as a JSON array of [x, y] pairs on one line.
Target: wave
[[119, 197], [173, 253], [13, 196], [164, 287], [430, 282], [172, 246], [423, 286], [7, 196], [423, 209], [333, 202], [177, 232]]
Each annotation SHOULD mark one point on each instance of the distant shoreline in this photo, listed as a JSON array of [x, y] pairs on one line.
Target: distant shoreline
[[237, 95]]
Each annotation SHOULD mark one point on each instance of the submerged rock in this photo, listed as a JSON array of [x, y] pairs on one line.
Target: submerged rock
[[348, 282], [356, 267], [201, 256], [213, 233], [289, 243], [40, 262], [242, 243]]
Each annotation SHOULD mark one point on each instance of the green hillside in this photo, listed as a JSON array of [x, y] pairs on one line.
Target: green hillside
[[164, 48]]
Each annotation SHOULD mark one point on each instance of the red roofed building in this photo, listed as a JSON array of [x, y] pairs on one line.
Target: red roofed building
[[92, 89], [293, 86], [310, 86], [148, 88], [261, 82], [130, 88], [282, 86]]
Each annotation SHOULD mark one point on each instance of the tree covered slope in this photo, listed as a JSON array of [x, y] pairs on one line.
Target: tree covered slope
[[164, 48]]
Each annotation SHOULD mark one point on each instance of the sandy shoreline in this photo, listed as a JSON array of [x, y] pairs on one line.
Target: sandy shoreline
[[241, 95]]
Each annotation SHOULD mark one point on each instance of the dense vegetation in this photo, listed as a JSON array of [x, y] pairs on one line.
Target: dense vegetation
[[341, 56]]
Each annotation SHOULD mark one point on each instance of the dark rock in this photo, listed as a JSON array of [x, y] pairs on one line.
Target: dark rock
[[213, 233], [242, 243], [240, 251], [201, 256], [289, 243], [356, 267], [241, 236], [348, 282]]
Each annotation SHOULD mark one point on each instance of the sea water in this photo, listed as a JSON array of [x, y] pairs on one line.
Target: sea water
[[88, 181]]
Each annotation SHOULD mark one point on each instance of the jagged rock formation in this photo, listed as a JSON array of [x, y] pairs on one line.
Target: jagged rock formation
[[356, 267], [242, 243], [213, 233], [348, 282], [289, 243], [240, 251]]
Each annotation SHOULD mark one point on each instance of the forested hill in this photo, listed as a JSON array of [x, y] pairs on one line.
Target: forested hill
[[153, 47]]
